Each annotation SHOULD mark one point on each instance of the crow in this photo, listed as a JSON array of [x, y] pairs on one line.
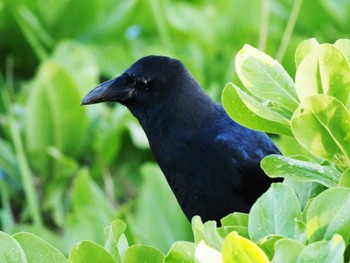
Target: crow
[[211, 163]]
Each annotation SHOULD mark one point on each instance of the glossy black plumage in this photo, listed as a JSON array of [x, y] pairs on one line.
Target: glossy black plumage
[[211, 163]]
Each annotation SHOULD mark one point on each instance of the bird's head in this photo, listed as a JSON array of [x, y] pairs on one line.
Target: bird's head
[[149, 80]]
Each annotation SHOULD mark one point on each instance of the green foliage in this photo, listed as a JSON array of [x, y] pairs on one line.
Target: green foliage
[[303, 219], [53, 53], [310, 221]]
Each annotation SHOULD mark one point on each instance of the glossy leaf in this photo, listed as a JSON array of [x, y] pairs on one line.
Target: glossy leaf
[[138, 253], [197, 229], [235, 219], [322, 125], [181, 251], [344, 46], [87, 251], [37, 250], [234, 222], [304, 48], [237, 249], [287, 251], [211, 235], [275, 213], [265, 77], [305, 190], [10, 249], [328, 214], [116, 242], [238, 111], [207, 254], [286, 167], [267, 244], [345, 178], [265, 109], [326, 251], [324, 70]]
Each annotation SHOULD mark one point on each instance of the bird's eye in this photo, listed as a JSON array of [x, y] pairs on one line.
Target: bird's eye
[[141, 83], [138, 82]]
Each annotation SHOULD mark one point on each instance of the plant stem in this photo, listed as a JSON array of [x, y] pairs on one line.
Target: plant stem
[[26, 175], [288, 30], [6, 217], [264, 27]]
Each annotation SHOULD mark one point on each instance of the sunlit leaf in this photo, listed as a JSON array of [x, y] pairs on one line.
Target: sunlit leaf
[[345, 178], [287, 250], [322, 125], [304, 48], [181, 251], [237, 249], [116, 242], [265, 77], [10, 249], [238, 111], [207, 254], [324, 70], [138, 253], [37, 250], [344, 46], [328, 214], [87, 251], [281, 166], [326, 251], [275, 213]]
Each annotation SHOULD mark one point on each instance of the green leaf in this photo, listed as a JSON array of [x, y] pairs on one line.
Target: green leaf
[[197, 229], [287, 250], [267, 244], [265, 109], [239, 112], [326, 251], [10, 249], [157, 204], [328, 214], [37, 250], [55, 91], [275, 213], [84, 223], [345, 178], [79, 61], [87, 251], [207, 254], [181, 251], [226, 230], [304, 48], [344, 46], [211, 235], [304, 191], [265, 77], [142, 253], [321, 124], [324, 70], [237, 249], [235, 219], [116, 242], [234, 222], [286, 167]]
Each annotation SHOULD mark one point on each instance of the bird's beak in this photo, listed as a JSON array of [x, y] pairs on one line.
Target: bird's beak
[[112, 90]]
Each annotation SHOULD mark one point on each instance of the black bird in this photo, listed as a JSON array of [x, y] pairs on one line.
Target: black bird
[[211, 163]]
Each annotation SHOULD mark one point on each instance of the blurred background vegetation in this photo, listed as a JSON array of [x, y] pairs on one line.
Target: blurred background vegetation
[[67, 171]]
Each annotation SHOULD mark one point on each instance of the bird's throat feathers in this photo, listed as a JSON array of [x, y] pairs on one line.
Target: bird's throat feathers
[[186, 108]]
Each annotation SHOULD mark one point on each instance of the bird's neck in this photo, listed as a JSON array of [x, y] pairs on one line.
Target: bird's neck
[[181, 113]]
